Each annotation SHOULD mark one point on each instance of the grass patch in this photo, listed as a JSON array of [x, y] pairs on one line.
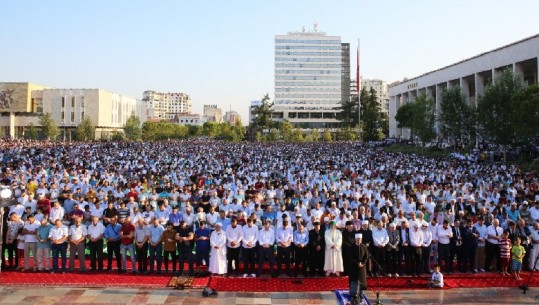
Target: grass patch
[[410, 149]]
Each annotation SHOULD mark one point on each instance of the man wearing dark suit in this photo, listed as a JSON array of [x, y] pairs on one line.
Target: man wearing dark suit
[[317, 245], [348, 239], [357, 264], [404, 253], [455, 246], [367, 241], [469, 244]]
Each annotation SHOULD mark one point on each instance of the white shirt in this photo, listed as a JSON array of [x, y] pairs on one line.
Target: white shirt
[[534, 213], [427, 237], [482, 232], [416, 237], [434, 231], [284, 235], [444, 234], [95, 231], [380, 237], [234, 234], [56, 213], [492, 231], [32, 227], [57, 233], [77, 233], [250, 234], [266, 237]]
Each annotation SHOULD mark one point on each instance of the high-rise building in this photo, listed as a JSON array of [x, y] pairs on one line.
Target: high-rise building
[[232, 117], [312, 76], [381, 92], [213, 113], [166, 105]]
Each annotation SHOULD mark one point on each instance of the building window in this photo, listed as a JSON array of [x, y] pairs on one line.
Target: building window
[[72, 116], [63, 116], [63, 101], [73, 102]]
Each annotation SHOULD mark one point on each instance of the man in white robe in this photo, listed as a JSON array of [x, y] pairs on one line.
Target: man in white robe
[[218, 263], [333, 263]]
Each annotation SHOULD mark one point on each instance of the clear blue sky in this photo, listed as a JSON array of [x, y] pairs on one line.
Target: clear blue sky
[[221, 52]]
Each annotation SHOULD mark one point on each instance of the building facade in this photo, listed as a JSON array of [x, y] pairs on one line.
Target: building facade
[[191, 119], [213, 113], [166, 105], [108, 111], [471, 75], [381, 92], [232, 117], [312, 75]]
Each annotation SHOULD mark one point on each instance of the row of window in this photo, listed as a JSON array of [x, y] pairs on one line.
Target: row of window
[[311, 66], [316, 89], [307, 59], [73, 101], [322, 54], [333, 47], [309, 84], [277, 72], [290, 77], [309, 41], [284, 95]]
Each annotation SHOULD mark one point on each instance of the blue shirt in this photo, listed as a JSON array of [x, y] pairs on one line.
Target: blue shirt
[[175, 219], [155, 233], [203, 244], [224, 222], [113, 231], [301, 238], [43, 233]]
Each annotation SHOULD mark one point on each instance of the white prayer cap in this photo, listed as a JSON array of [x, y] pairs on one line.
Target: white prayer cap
[[359, 235], [326, 219], [365, 222], [424, 223]]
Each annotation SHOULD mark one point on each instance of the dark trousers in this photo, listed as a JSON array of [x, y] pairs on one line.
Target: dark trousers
[[114, 247], [142, 258], [468, 257], [263, 255], [59, 250], [96, 254], [300, 255], [391, 261], [380, 257], [233, 254], [12, 254], [316, 262], [186, 254], [458, 252], [416, 260], [492, 251], [248, 255], [443, 254], [405, 259], [425, 257], [173, 256], [202, 254], [283, 257], [156, 254]]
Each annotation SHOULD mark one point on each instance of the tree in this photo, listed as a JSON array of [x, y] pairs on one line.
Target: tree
[[273, 135], [405, 117], [132, 128], [194, 130], [48, 126], [496, 109], [210, 129], [371, 117], [526, 113], [326, 136], [347, 134], [297, 135], [31, 132], [262, 114], [456, 118], [314, 135], [424, 118], [348, 114], [286, 130], [85, 129]]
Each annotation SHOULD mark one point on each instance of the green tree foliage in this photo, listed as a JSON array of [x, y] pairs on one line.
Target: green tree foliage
[[456, 118], [420, 117], [297, 135], [495, 110], [262, 114], [526, 113], [132, 128], [273, 135], [118, 136], [31, 132], [347, 134], [326, 136], [210, 129], [155, 131], [405, 116], [85, 129], [371, 117], [348, 114], [49, 127], [194, 130], [313, 136], [234, 133], [286, 130]]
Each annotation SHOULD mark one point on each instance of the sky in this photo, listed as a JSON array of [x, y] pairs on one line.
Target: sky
[[221, 52]]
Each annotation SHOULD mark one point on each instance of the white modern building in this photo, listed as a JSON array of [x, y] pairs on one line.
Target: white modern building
[[108, 111], [191, 119], [381, 91], [166, 105], [472, 75], [312, 76]]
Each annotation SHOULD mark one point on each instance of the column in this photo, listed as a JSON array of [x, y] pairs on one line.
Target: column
[[12, 125], [479, 87]]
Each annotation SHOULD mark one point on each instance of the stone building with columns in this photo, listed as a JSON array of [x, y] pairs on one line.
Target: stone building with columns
[[472, 75]]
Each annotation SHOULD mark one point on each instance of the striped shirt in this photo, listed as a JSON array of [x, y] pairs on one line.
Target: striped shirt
[[505, 248]]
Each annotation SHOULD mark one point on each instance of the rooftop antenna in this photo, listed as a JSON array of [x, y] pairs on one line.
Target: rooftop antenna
[[315, 26]]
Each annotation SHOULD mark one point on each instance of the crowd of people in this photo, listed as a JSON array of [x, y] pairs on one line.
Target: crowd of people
[[263, 209]]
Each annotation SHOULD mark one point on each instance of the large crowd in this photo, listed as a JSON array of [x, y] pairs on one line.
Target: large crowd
[[251, 209]]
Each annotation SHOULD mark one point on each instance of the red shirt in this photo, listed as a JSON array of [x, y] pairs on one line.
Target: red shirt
[[45, 205], [126, 229]]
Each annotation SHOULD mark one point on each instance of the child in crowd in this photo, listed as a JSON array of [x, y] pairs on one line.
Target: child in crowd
[[517, 253], [505, 252], [437, 278], [20, 248]]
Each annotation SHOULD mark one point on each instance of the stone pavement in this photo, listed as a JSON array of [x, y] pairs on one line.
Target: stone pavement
[[103, 296]]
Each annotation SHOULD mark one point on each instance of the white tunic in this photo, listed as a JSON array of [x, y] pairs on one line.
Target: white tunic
[[333, 259], [218, 263]]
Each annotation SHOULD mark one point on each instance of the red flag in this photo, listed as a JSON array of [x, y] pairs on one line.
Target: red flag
[[358, 81]]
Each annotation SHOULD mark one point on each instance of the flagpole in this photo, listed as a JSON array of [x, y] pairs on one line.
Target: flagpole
[[358, 85]]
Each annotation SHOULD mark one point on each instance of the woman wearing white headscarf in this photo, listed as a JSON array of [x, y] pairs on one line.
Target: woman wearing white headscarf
[[333, 263]]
